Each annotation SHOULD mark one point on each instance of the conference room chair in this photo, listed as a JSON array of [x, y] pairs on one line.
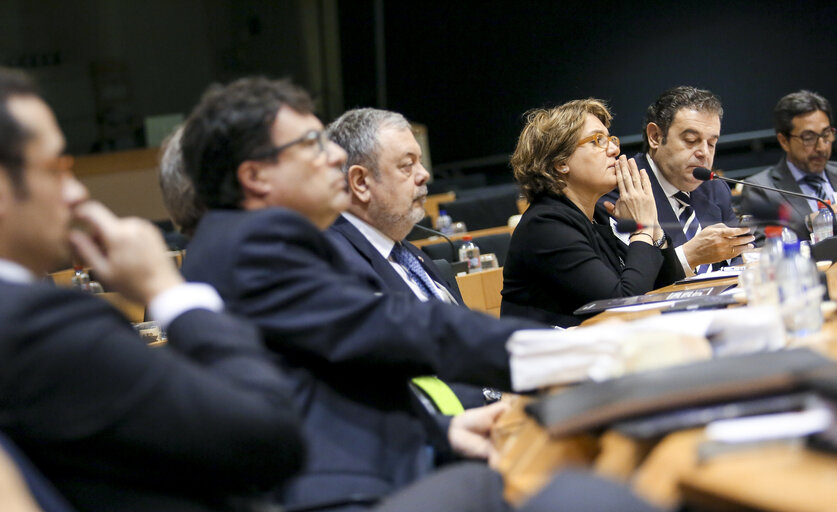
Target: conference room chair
[[486, 209], [825, 250]]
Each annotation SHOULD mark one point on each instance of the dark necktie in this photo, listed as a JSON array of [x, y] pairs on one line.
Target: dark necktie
[[817, 184], [415, 271], [689, 221]]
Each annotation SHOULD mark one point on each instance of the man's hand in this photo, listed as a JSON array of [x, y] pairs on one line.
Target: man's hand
[[717, 243], [470, 430], [128, 255]]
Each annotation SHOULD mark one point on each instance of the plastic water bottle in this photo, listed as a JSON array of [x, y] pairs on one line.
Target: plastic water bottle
[[81, 279], [823, 224], [759, 280], [444, 223], [800, 293], [471, 253]]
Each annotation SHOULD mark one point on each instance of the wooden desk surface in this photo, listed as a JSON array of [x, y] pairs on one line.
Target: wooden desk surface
[[780, 477]]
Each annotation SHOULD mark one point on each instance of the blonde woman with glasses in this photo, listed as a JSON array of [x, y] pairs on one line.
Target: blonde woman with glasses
[[564, 252]]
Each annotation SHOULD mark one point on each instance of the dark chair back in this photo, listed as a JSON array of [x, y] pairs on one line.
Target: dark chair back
[[497, 244], [825, 250], [489, 209]]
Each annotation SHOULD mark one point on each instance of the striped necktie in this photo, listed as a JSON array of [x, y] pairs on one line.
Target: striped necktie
[[415, 271], [817, 184], [689, 222]]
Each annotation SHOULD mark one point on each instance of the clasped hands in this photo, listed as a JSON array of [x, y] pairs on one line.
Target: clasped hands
[[636, 200]]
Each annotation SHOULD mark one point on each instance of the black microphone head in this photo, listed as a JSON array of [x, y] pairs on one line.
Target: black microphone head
[[626, 225], [703, 174]]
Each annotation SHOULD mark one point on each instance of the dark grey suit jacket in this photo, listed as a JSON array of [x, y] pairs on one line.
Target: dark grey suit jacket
[[779, 176]]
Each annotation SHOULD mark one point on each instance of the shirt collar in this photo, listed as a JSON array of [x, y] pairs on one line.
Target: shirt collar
[[15, 272], [382, 243], [666, 185], [798, 174]]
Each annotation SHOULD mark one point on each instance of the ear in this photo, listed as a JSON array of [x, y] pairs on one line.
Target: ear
[[359, 177], [252, 180], [784, 142], [561, 167], [655, 135], [7, 193]]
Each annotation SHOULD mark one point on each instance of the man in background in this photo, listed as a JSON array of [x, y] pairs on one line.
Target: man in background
[[803, 123]]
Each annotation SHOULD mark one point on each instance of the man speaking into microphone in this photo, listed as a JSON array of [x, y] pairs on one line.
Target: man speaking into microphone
[[680, 131]]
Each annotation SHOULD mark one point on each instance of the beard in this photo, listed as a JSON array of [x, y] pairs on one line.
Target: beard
[[398, 225]]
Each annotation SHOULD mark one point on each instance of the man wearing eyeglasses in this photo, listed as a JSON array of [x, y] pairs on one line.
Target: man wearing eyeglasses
[[272, 183], [803, 122]]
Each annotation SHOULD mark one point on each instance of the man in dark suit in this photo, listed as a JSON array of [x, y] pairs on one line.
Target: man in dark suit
[[388, 186], [803, 121], [114, 424], [272, 182], [680, 131]]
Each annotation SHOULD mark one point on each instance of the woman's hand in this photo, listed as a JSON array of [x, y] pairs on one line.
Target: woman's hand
[[636, 198]]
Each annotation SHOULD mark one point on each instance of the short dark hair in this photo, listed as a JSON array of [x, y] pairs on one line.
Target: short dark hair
[[13, 135], [797, 103], [229, 125], [667, 104]]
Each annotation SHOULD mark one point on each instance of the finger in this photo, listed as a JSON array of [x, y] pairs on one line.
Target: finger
[[628, 182], [90, 253], [97, 217], [620, 179], [610, 207]]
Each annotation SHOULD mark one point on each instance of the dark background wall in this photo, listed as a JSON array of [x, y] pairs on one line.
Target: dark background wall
[[465, 69], [468, 70]]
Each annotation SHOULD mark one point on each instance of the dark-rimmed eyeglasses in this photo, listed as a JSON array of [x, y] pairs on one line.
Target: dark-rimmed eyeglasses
[[812, 139], [600, 139], [310, 138]]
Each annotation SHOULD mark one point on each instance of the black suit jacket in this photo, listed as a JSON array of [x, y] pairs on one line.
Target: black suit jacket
[[350, 347], [779, 176], [558, 261], [362, 257], [118, 426]]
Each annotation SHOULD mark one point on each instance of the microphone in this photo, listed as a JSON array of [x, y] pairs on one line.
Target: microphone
[[703, 174], [439, 233]]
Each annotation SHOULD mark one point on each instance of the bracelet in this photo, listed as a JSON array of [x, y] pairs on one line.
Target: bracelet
[[642, 233]]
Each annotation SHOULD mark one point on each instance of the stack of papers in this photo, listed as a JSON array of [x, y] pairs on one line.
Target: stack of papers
[[542, 358]]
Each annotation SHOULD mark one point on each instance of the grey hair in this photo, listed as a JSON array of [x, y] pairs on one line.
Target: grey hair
[[177, 187], [356, 131]]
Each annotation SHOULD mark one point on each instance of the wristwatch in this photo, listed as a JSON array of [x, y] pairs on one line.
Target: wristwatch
[[659, 243]]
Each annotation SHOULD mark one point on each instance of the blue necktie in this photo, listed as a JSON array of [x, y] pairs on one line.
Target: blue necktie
[[817, 184], [415, 271], [689, 221]]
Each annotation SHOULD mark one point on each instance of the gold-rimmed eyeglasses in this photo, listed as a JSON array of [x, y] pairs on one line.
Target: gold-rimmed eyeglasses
[[812, 138], [600, 139]]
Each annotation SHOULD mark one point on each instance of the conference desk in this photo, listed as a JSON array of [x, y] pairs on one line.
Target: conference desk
[[780, 476]]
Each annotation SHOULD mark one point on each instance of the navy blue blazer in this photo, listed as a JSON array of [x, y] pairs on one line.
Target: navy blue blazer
[[117, 426], [350, 348], [362, 256]]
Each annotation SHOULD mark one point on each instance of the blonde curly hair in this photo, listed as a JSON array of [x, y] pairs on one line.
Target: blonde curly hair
[[548, 140]]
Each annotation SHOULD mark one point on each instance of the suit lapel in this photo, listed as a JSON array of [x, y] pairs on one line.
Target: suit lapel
[[707, 211], [782, 178], [367, 251]]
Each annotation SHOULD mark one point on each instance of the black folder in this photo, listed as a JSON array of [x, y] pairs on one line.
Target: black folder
[[597, 404], [699, 296]]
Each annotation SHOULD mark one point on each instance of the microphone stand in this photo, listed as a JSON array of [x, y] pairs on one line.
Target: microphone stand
[[780, 191], [453, 257]]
